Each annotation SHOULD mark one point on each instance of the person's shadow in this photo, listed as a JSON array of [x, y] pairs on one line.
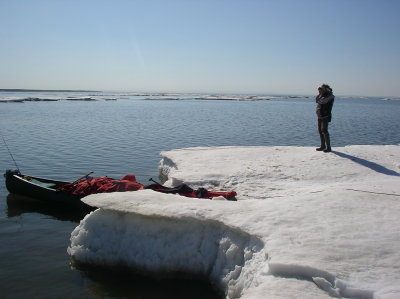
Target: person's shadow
[[372, 165]]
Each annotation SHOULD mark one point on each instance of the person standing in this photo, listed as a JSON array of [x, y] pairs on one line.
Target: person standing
[[324, 100]]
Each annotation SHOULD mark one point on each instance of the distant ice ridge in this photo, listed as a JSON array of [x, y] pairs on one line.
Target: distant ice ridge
[[221, 97], [321, 226], [28, 99], [234, 97], [53, 99]]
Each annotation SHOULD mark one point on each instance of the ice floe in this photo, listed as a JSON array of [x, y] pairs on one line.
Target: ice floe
[[307, 224]]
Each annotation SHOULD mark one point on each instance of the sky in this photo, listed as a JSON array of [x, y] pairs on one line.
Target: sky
[[219, 46]]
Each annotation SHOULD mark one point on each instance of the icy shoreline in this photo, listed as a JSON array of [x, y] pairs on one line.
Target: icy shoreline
[[309, 224], [53, 99]]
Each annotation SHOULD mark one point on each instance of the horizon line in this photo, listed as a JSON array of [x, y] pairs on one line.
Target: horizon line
[[172, 92]]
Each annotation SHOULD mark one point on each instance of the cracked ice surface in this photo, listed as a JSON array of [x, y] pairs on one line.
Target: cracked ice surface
[[307, 224]]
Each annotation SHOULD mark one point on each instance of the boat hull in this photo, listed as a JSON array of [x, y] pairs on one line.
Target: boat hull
[[40, 189]]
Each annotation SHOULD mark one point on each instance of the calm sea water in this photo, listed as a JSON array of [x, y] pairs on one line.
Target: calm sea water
[[67, 139]]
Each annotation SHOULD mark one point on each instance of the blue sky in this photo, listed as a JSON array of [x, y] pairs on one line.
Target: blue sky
[[231, 46]]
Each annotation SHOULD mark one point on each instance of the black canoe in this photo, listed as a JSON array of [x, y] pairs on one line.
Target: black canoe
[[47, 190], [41, 189]]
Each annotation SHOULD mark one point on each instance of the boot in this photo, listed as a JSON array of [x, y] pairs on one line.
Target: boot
[[328, 144], [322, 147]]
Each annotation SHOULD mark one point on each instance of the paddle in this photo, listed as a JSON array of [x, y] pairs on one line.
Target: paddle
[[157, 183], [78, 180]]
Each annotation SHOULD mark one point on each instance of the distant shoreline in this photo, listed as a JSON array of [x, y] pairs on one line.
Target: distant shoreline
[[45, 90]]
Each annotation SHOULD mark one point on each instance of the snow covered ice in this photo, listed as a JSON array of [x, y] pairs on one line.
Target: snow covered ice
[[306, 224]]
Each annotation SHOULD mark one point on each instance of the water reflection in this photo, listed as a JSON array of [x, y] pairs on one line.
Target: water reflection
[[18, 205], [122, 283]]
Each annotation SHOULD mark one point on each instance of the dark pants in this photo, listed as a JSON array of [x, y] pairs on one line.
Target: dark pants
[[323, 133], [323, 126]]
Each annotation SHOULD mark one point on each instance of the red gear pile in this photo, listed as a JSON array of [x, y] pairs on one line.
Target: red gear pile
[[102, 185]]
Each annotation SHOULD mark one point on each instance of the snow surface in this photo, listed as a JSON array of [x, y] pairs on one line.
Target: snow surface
[[307, 224]]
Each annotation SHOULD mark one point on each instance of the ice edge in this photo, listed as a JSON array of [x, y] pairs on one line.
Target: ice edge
[[234, 252]]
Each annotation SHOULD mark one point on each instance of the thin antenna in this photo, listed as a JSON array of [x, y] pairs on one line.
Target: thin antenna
[[5, 143]]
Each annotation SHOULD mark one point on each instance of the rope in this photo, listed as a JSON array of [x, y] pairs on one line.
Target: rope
[[12, 157]]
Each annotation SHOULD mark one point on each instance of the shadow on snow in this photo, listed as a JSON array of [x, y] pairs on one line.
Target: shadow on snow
[[372, 165]]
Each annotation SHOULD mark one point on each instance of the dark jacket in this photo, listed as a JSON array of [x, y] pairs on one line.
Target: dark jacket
[[324, 106]]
